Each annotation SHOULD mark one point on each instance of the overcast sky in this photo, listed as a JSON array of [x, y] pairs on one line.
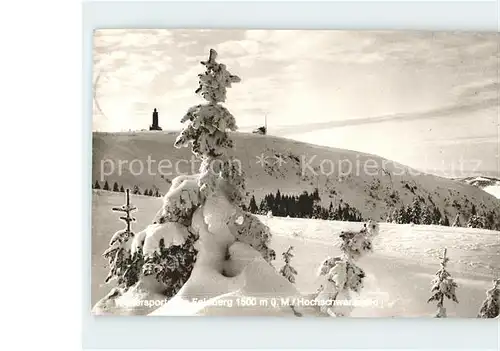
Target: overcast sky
[[425, 99]]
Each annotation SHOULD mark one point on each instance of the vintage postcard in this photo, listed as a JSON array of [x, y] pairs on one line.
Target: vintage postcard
[[295, 173]]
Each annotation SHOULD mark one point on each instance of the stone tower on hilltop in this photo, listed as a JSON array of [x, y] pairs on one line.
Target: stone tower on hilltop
[[155, 125]]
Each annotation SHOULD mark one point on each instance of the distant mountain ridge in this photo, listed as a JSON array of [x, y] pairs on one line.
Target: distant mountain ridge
[[480, 181], [373, 185]]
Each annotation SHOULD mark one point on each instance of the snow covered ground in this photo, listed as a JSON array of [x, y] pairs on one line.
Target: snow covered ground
[[489, 184], [399, 272]]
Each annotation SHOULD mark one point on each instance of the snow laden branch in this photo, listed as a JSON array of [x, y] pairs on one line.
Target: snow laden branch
[[443, 286], [341, 274]]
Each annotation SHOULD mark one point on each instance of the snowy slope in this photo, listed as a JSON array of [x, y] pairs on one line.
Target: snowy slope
[[398, 273], [374, 185]]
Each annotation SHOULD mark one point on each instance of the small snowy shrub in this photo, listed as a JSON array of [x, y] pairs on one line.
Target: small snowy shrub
[[287, 270], [443, 286], [490, 308], [171, 265], [353, 274], [342, 277], [342, 274], [355, 244], [124, 267]]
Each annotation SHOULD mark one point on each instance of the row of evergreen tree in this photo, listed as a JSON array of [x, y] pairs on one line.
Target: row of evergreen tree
[[485, 220], [418, 213], [119, 188], [305, 205], [308, 205]]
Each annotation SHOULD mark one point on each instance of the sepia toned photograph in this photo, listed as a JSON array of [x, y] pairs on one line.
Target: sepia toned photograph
[[295, 173]]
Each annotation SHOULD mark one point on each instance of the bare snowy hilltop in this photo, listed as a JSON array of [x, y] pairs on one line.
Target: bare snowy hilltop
[[271, 163]]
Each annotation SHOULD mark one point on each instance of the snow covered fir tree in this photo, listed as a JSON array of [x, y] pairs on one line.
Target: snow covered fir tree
[[223, 217], [220, 175], [443, 286], [200, 232], [490, 308], [287, 270], [341, 275], [207, 129], [124, 267]]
